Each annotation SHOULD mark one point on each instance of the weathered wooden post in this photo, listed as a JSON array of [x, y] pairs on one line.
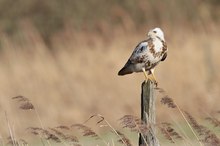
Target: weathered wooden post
[[148, 114]]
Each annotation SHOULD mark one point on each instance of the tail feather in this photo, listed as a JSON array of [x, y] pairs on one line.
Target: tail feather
[[125, 70]]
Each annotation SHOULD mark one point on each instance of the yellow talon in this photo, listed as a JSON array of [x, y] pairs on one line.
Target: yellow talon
[[150, 77], [147, 77]]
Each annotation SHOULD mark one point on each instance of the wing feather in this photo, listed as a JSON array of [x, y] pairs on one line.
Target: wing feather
[[164, 56], [164, 51], [138, 54]]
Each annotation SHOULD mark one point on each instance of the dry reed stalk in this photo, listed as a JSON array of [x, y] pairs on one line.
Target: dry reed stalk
[[63, 127], [2, 140], [208, 137], [23, 142], [25, 104], [135, 124], [13, 131], [200, 129], [60, 135], [12, 139], [12, 142], [113, 144], [166, 134], [166, 100], [160, 90], [20, 142], [73, 139], [108, 124], [86, 130], [214, 121], [124, 138], [64, 136], [184, 135], [47, 135], [189, 125], [169, 133], [36, 131]]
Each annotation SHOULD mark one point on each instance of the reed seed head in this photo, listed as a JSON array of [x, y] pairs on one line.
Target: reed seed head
[[134, 123], [86, 130], [166, 100], [124, 139], [25, 103]]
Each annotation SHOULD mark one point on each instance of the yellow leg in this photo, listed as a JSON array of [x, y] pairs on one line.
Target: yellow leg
[[153, 77], [145, 74]]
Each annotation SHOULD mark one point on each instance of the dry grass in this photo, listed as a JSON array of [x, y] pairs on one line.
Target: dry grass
[[86, 130], [169, 132], [61, 134], [79, 77], [207, 136], [124, 139]]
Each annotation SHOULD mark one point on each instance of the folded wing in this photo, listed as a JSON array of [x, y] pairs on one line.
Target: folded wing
[[138, 56]]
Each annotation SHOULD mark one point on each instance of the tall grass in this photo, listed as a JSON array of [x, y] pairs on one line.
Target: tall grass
[[65, 134]]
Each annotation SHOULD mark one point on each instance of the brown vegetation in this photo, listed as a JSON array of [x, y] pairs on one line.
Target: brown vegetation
[[75, 74]]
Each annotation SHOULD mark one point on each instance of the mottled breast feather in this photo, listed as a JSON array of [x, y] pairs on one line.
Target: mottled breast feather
[[164, 51]]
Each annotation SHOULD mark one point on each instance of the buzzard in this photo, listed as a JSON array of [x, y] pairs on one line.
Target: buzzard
[[147, 55]]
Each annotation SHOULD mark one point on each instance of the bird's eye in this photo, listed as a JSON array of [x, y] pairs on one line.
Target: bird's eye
[[155, 31]]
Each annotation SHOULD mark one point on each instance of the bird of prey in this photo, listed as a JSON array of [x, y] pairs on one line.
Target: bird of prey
[[147, 55]]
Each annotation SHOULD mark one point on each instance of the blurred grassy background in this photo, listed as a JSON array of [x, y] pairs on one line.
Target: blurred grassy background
[[65, 55]]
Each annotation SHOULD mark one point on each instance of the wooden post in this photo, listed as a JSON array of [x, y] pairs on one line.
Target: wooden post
[[148, 114]]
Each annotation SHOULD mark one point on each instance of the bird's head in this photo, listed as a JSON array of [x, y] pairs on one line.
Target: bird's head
[[156, 33]]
